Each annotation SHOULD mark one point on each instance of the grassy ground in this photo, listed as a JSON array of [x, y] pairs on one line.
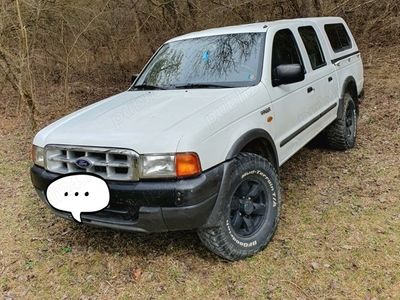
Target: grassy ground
[[339, 236]]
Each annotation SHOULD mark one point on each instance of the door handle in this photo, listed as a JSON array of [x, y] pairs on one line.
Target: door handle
[[310, 89], [330, 79]]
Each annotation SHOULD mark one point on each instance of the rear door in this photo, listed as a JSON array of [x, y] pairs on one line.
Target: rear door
[[321, 76]]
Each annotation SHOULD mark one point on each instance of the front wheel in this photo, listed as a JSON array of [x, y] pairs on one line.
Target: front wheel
[[250, 211]]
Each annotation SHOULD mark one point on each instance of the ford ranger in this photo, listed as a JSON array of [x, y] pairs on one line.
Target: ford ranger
[[197, 140]]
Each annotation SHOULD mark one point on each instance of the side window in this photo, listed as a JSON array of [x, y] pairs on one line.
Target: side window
[[313, 47], [338, 37], [285, 50]]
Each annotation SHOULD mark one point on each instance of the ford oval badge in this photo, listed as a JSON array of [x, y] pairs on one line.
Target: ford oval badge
[[83, 163]]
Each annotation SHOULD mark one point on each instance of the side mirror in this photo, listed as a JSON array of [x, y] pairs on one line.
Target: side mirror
[[287, 74], [134, 77]]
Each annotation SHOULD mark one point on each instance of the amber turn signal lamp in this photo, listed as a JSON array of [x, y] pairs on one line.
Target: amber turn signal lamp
[[187, 164]]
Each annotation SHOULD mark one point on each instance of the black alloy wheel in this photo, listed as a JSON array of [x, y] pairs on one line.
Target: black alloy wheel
[[248, 207]]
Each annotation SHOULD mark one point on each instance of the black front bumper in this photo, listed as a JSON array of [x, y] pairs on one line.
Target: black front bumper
[[149, 206]]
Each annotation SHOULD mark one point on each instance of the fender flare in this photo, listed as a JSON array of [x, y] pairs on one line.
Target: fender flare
[[250, 136], [229, 168], [348, 80]]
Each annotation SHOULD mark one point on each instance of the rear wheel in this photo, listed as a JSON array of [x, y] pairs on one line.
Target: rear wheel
[[341, 134], [250, 211]]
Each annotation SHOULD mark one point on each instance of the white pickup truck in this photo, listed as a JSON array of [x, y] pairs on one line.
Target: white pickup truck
[[197, 140]]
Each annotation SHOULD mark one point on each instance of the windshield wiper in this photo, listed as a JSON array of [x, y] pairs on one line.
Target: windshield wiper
[[201, 85], [147, 87]]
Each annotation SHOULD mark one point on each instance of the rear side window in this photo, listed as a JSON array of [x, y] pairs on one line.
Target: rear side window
[[338, 37], [313, 47], [285, 50]]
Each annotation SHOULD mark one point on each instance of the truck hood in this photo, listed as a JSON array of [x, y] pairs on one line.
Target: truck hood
[[145, 121]]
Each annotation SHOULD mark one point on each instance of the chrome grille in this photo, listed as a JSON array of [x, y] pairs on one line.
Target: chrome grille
[[109, 163]]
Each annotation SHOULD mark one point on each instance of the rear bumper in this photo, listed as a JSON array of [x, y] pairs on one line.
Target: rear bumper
[[148, 206]]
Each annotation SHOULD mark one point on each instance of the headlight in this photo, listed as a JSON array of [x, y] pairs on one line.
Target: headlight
[[177, 165], [38, 156], [157, 166]]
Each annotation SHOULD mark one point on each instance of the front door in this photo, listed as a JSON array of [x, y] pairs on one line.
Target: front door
[[293, 104]]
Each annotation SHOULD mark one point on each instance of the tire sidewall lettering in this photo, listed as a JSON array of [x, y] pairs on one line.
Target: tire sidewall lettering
[[268, 180], [270, 185], [243, 244]]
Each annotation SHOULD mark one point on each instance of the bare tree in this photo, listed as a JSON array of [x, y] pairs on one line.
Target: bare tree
[[81, 45]]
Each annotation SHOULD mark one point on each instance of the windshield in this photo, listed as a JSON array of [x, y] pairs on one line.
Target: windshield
[[230, 60]]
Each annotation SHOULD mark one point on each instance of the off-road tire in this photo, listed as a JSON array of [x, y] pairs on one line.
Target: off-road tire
[[341, 135], [229, 240]]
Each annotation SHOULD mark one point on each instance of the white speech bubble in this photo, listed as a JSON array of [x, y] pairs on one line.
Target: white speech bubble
[[78, 193]]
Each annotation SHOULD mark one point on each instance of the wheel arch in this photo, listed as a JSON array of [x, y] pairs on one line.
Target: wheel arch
[[257, 141], [349, 86]]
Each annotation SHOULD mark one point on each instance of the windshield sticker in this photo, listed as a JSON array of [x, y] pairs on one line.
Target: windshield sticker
[[252, 77], [206, 56]]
